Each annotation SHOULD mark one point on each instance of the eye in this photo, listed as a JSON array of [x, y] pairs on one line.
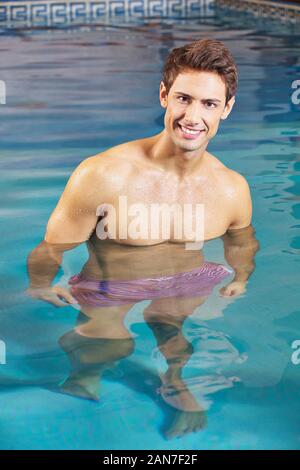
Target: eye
[[210, 104], [183, 97]]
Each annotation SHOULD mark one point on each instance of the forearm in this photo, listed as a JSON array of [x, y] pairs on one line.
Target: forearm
[[44, 261], [240, 247], [242, 271]]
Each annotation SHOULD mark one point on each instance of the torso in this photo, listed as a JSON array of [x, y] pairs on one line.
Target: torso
[[110, 260], [128, 172]]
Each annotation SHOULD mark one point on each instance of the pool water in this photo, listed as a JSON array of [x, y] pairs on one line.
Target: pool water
[[73, 92]]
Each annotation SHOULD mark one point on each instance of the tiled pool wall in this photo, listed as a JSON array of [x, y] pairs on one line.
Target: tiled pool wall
[[276, 9], [22, 13], [27, 13], [48, 12]]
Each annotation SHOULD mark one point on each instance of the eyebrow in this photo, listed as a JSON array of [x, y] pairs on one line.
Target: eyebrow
[[189, 96]]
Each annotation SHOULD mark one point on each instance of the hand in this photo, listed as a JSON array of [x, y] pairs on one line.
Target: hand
[[52, 294], [233, 289]]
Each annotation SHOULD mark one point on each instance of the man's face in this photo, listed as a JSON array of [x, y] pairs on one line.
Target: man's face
[[196, 101]]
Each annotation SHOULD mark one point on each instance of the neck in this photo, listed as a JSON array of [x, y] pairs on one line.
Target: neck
[[173, 158]]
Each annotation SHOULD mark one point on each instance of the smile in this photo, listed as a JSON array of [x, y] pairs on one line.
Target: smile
[[188, 133]]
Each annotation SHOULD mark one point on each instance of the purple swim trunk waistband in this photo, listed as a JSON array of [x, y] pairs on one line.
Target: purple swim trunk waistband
[[198, 282]]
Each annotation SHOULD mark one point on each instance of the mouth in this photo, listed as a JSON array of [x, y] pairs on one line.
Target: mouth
[[190, 134]]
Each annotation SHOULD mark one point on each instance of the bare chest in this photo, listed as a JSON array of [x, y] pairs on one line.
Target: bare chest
[[150, 211]]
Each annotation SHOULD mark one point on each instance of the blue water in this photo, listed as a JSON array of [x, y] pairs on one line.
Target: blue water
[[74, 92]]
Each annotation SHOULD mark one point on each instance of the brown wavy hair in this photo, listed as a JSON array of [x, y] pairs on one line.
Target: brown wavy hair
[[208, 55]]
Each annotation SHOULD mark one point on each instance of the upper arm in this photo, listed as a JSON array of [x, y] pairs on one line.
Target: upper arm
[[74, 218], [242, 213]]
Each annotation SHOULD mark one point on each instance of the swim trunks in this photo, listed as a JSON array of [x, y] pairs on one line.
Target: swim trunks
[[198, 282]]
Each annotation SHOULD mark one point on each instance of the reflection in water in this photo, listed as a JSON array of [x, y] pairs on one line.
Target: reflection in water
[[186, 368], [113, 279]]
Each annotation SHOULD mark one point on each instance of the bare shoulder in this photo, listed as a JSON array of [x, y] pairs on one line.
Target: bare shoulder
[[228, 179], [237, 182], [108, 172], [123, 157], [241, 202], [235, 191]]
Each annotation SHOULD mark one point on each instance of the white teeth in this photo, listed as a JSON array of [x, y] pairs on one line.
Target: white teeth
[[188, 131]]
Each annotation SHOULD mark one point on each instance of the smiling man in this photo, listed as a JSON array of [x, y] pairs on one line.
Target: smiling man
[[172, 167], [197, 91]]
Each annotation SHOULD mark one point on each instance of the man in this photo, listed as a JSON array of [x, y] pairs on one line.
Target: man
[[198, 91]]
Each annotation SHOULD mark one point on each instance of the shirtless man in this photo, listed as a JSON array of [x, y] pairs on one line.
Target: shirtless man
[[197, 91]]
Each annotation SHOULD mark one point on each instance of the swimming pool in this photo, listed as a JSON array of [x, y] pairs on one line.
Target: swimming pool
[[72, 92]]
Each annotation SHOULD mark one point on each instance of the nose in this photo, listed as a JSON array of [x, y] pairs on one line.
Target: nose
[[192, 114]]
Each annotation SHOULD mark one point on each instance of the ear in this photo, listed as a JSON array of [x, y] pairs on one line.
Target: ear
[[228, 108], [163, 96]]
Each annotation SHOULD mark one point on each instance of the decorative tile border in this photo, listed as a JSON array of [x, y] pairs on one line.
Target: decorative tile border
[[266, 8], [35, 13], [19, 13]]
